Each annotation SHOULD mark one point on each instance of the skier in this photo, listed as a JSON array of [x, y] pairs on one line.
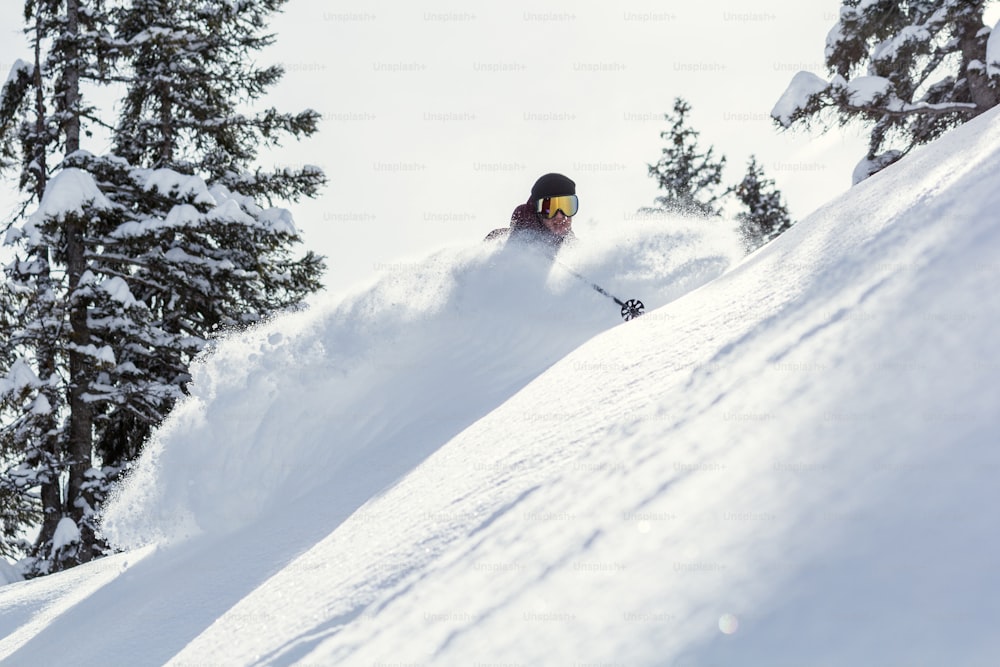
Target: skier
[[547, 216]]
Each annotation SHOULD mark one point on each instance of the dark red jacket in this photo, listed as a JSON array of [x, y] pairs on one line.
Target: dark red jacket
[[526, 225]]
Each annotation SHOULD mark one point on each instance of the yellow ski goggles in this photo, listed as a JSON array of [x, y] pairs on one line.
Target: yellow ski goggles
[[549, 206]]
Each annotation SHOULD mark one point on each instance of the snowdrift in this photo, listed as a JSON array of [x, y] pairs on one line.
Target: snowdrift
[[292, 426], [794, 464], [345, 398]]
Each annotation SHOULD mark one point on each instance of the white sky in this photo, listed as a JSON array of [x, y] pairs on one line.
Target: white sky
[[438, 116]]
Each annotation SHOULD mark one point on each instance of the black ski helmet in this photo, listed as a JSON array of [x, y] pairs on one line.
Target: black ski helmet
[[552, 185]]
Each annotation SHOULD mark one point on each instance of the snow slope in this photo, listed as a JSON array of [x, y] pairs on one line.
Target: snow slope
[[291, 427], [794, 464], [357, 392]]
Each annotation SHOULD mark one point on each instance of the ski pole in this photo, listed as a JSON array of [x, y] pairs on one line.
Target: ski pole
[[630, 309]]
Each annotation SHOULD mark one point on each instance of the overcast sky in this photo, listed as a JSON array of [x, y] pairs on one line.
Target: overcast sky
[[438, 116]]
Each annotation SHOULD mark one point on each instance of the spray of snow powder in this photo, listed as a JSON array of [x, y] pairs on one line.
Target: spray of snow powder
[[335, 403]]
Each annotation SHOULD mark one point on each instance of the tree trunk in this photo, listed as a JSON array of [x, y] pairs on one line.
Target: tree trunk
[[71, 127], [973, 47], [80, 364], [166, 126]]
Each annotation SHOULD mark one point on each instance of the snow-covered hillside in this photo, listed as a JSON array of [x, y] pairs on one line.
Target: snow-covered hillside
[[470, 462]]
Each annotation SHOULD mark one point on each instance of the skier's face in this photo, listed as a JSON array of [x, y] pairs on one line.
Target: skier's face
[[556, 212], [558, 225]]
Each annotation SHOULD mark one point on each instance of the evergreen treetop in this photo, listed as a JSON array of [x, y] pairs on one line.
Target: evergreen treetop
[[908, 69], [765, 215], [688, 176]]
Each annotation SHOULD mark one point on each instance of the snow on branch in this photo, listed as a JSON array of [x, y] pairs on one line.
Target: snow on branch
[[69, 192], [804, 87], [18, 69], [19, 376], [873, 95], [993, 52], [167, 181]]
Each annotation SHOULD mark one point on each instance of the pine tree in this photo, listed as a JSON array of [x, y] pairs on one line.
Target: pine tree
[[689, 177], [22, 147], [190, 65], [766, 216], [46, 442], [193, 68], [909, 69], [131, 263]]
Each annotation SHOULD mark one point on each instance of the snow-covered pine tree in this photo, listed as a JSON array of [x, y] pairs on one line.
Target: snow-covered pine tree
[[23, 147], [765, 215], [131, 263], [203, 251], [49, 356], [193, 68], [909, 69], [688, 176]]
